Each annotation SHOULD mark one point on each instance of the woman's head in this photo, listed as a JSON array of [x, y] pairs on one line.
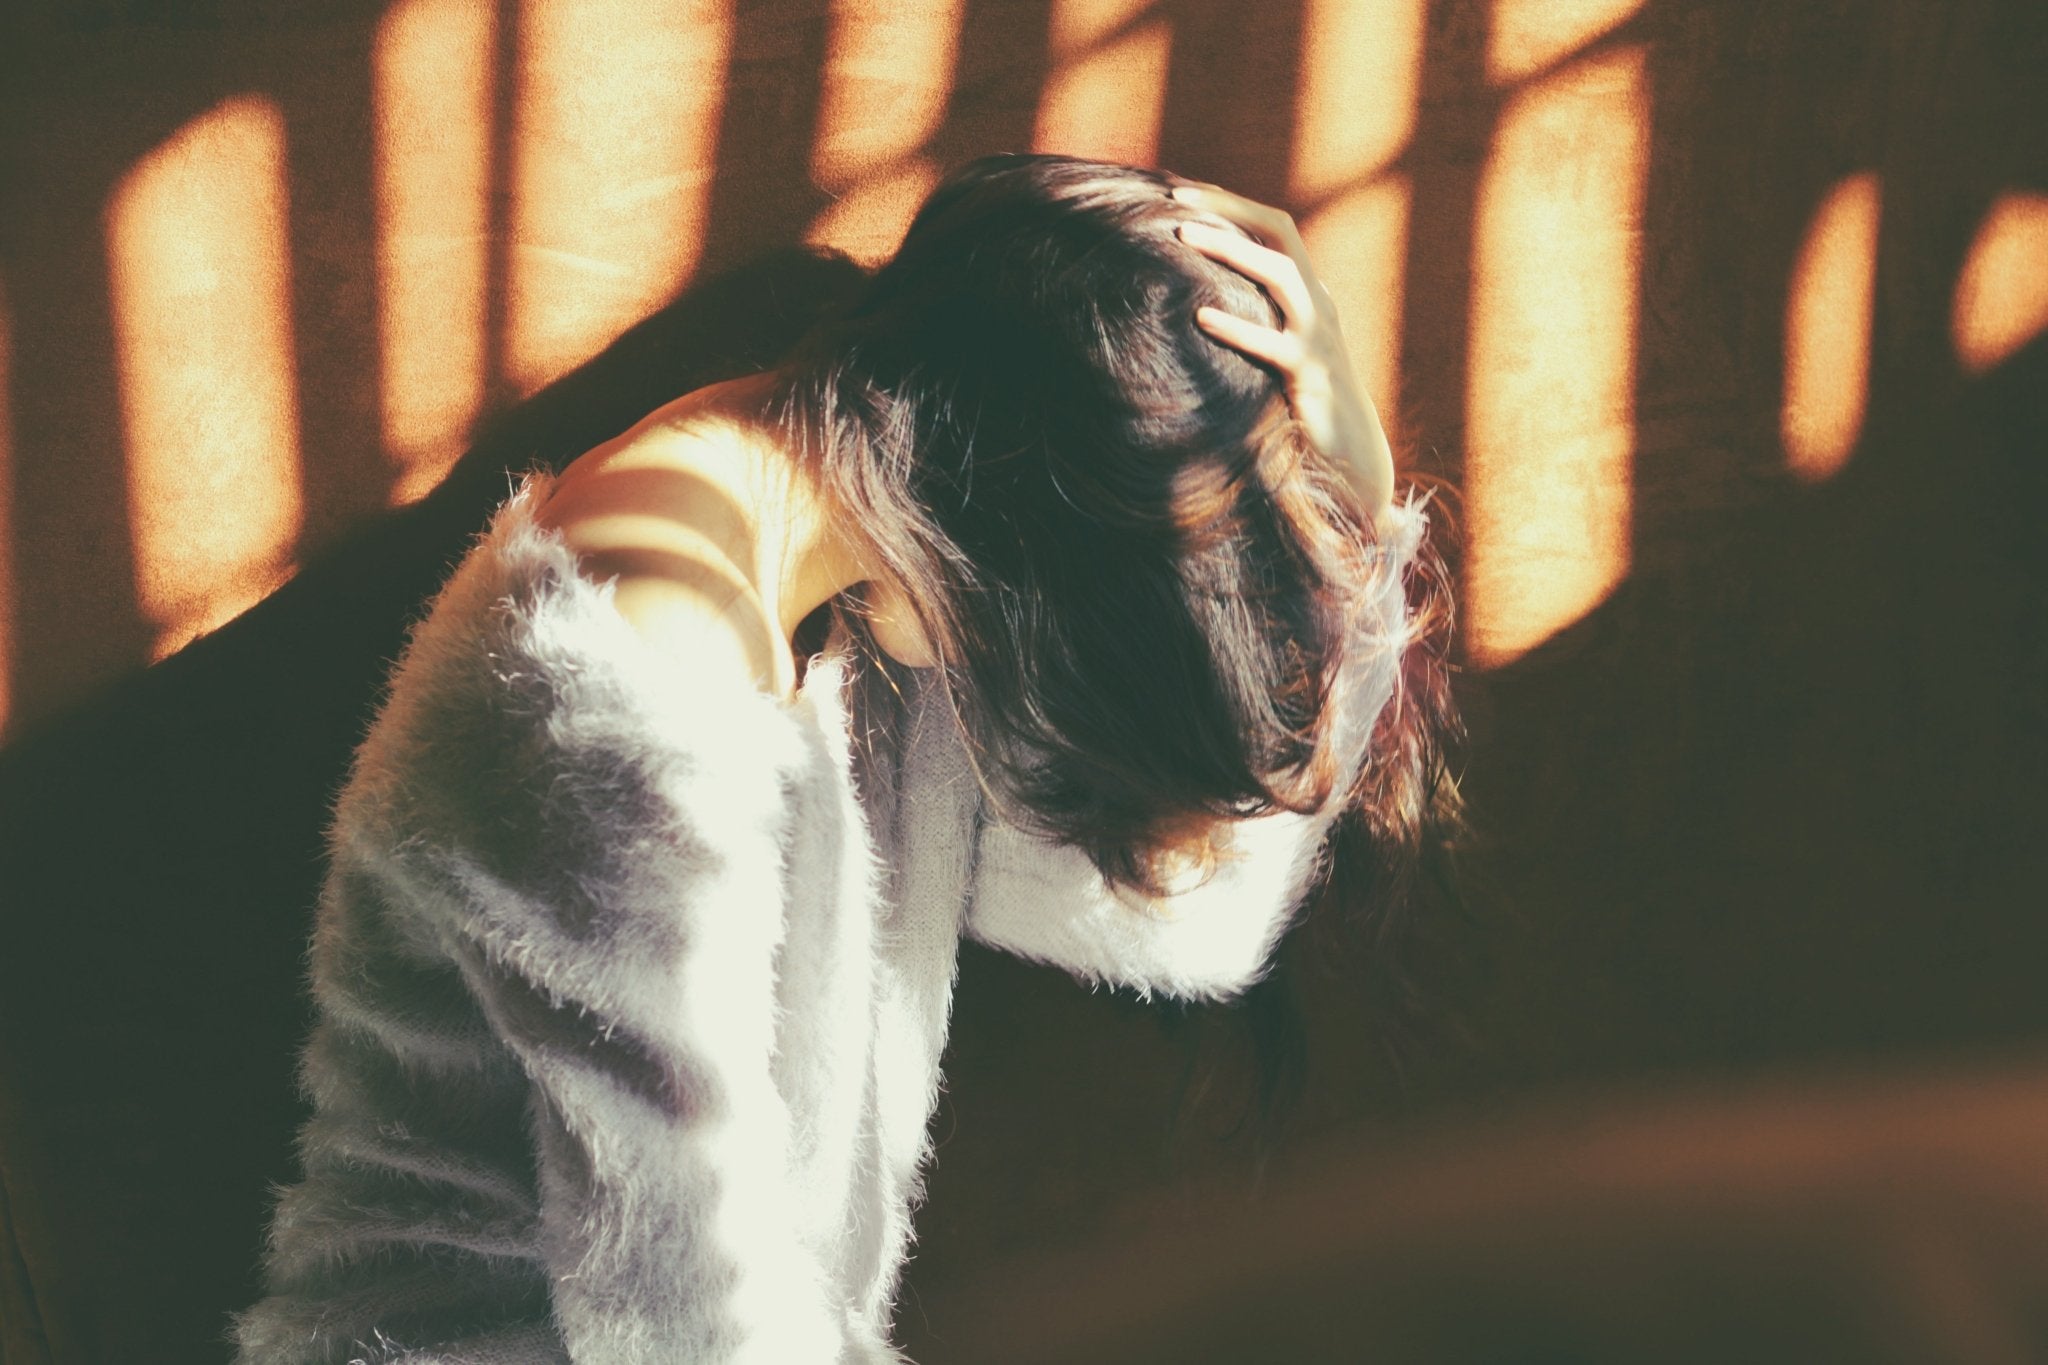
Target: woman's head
[[1131, 567]]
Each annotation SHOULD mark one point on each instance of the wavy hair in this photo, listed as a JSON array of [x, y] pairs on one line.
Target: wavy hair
[[1134, 569]]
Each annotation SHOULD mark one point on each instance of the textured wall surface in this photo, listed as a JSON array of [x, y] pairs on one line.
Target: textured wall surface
[[1725, 319]]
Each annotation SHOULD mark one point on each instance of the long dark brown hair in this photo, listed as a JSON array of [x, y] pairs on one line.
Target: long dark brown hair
[[1134, 568]]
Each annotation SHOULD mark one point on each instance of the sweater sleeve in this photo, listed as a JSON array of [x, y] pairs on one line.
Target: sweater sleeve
[[558, 888], [1210, 939]]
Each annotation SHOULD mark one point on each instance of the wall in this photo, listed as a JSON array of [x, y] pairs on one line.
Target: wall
[[1725, 319]]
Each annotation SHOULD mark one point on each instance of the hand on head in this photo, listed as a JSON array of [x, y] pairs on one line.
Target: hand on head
[[1309, 351]]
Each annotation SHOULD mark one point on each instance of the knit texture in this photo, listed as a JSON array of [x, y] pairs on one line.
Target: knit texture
[[632, 983]]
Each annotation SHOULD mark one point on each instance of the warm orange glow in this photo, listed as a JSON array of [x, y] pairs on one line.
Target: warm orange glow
[[432, 91], [1827, 331], [1550, 436], [1358, 242], [1105, 92], [887, 85], [7, 648], [1355, 113], [619, 105], [867, 222], [2002, 295], [1528, 37], [200, 275], [1353, 119]]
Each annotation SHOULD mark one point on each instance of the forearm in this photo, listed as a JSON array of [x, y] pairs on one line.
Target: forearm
[[545, 966], [1046, 900], [621, 937], [1359, 443]]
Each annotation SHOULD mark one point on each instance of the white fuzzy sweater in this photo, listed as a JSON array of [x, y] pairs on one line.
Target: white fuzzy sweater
[[632, 982]]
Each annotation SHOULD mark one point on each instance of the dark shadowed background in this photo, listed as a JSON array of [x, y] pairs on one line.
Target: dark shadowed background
[[1725, 319]]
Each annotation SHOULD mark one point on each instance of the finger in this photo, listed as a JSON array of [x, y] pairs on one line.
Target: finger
[[1282, 350], [1249, 214], [1229, 202], [1276, 270]]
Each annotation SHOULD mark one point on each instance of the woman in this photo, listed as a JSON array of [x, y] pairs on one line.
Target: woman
[[1026, 600]]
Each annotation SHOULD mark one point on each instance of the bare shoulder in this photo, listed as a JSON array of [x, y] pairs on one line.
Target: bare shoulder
[[663, 510]]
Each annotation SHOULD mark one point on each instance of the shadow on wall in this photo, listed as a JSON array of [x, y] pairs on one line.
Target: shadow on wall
[[264, 269], [1767, 809], [1774, 795], [1767, 805], [162, 854]]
